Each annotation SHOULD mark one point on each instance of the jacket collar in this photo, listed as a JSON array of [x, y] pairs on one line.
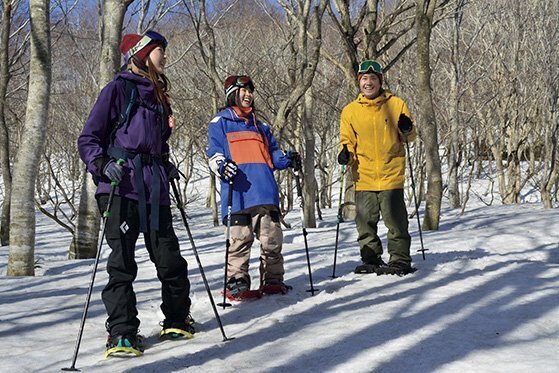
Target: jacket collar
[[377, 101], [137, 79]]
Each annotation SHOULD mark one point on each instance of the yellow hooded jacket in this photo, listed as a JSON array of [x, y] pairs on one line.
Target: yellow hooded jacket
[[369, 127]]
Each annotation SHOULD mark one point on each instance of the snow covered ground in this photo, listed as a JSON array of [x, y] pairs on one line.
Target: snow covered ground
[[485, 299]]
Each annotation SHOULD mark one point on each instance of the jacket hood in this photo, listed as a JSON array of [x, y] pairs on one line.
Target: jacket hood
[[146, 90]]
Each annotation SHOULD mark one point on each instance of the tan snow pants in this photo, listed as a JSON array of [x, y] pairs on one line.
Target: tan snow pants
[[263, 223]]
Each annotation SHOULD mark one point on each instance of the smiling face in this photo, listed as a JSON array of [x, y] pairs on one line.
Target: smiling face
[[158, 59], [245, 97], [370, 85]]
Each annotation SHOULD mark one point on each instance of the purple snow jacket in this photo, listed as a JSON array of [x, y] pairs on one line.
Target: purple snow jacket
[[147, 134]]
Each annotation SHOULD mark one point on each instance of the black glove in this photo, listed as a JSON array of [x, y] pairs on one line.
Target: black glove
[[344, 156], [228, 169], [404, 123], [171, 170], [114, 170], [295, 159]]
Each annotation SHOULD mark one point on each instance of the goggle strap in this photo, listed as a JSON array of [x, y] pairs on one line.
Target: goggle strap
[[230, 89]]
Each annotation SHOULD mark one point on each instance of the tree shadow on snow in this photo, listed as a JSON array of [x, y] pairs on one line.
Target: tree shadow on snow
[[483, 316]]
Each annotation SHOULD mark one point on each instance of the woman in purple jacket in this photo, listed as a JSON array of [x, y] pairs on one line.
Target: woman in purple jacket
[[132, 121]]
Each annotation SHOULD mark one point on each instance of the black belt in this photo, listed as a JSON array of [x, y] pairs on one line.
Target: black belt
[[139, 160]]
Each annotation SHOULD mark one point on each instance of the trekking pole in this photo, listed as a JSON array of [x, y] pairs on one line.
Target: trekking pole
[[415, 197], [339, 219], [90, 290], [183, 214], [227, 243], [300, 197]]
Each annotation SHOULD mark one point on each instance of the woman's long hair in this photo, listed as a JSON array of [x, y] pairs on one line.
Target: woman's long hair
[[160, 83]]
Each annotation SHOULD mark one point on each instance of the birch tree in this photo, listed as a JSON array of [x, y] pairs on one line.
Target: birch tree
[[424, 14], [304, 34], [548, 38], [454, 117], [206, 42], [4, 137], [14, 48], [86, 235], [22, 219]]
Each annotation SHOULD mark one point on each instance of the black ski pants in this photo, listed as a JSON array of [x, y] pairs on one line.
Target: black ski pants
[[122, 231]]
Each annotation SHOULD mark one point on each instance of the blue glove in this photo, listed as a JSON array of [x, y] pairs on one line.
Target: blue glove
[[404, 123], [295, 159], [172, 171], [228, 169], [113, 171]]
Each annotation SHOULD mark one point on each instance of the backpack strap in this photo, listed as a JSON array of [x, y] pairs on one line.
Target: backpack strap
[[131, 94]]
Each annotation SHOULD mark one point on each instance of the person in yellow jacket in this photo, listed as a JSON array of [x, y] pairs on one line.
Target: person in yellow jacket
[[373, 131]]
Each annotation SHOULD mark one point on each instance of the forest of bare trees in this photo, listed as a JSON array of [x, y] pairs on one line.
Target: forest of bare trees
[[481, 79]]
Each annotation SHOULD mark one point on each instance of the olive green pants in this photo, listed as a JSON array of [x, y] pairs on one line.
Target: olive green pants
[[389, 203]]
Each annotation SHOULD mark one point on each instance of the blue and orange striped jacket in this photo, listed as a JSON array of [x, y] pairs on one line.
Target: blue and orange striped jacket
[[251, 145]]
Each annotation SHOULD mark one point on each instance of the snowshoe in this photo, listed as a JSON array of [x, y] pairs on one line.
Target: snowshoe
[[400, 269], [177, 329], [377, 266], [244, 295], [124, 345], [276, 287], [239, 289]]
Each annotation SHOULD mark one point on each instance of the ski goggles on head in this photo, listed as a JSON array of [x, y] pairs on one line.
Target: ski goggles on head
[[370, 66], [242, 81], [149, 37]]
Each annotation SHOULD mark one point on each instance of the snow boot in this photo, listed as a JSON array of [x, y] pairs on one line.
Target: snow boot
[[400, 268], [124, 345], [177, 329], [376, 266], [238, 288]]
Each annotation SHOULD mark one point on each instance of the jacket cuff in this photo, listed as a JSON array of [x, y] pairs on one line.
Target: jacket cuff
[[100, 164]]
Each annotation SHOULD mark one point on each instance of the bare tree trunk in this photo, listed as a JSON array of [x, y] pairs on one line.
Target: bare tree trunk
[[550, 154], [424, 20], [306, 21], [309, 187], [454, 121], [551, 167], [349, 212], [4, 138], [211, 64], [22, 222], [199, 18], [86, 235]]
